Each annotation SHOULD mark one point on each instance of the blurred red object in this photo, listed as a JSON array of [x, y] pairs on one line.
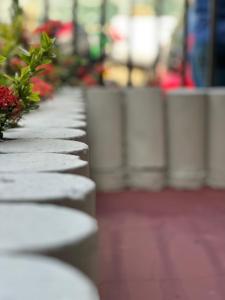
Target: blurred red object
[[46, 69], [51, 27], [44, 89], [173, 80], [65, 29]]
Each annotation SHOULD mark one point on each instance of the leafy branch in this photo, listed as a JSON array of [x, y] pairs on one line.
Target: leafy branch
[[21, 81]]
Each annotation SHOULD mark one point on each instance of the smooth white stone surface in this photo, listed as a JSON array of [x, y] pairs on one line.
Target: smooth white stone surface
[[43, 162], [186, 115], [216, 141], [45, 146], [40, 278], [50, 133], [72, 191], [105, 127], [113, 180], [63, 233], [51, 122], [145, 128]]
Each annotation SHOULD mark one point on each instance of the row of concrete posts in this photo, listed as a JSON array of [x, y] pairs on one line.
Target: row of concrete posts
[[48, 230], [142, 138]]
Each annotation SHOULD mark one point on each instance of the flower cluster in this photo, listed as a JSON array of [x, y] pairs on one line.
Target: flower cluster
[[7, 99], [44, 89], [45, 69], [16, 63], [90, 76], [21, 62], [51, 27], [10, 108]]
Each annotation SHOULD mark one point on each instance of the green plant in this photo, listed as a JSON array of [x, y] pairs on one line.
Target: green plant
[[21, 81]]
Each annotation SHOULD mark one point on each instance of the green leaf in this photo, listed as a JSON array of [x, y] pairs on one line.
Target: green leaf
[[24, 51], [3, 80], [2, 59], [35, 97], [8, 77], [45, 41]]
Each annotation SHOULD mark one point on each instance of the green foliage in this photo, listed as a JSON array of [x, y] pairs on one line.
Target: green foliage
[[14, 45], [11, 35], [33, 58]]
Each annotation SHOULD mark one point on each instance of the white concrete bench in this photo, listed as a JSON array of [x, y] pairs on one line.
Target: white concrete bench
[[66, 234], [72, 191], [39, 278]]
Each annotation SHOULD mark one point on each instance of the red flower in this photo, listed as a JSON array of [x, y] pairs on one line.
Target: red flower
[[51, 27], [10, 109], [41, 87], [81, 71], [88, 80], [100, 68], [16, 62], [46, 69], [8, 101]]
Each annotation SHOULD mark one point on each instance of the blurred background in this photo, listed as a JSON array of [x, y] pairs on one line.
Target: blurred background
[[136, 41]]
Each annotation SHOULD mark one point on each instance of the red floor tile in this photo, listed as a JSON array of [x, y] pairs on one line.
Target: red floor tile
[[162, 246]]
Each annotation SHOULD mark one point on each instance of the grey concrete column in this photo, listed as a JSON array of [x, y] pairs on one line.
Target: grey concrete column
[[39, 278], [38, 121], [52, 133], [145, 138], [72, 191], [55, 112], [60, 106], [216, 142], [105, 132], [45, 146], [43, 162], [66, 234], [186, 116], [75, 92]]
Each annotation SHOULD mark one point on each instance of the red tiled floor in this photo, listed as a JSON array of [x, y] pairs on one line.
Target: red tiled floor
[[162, 246]]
